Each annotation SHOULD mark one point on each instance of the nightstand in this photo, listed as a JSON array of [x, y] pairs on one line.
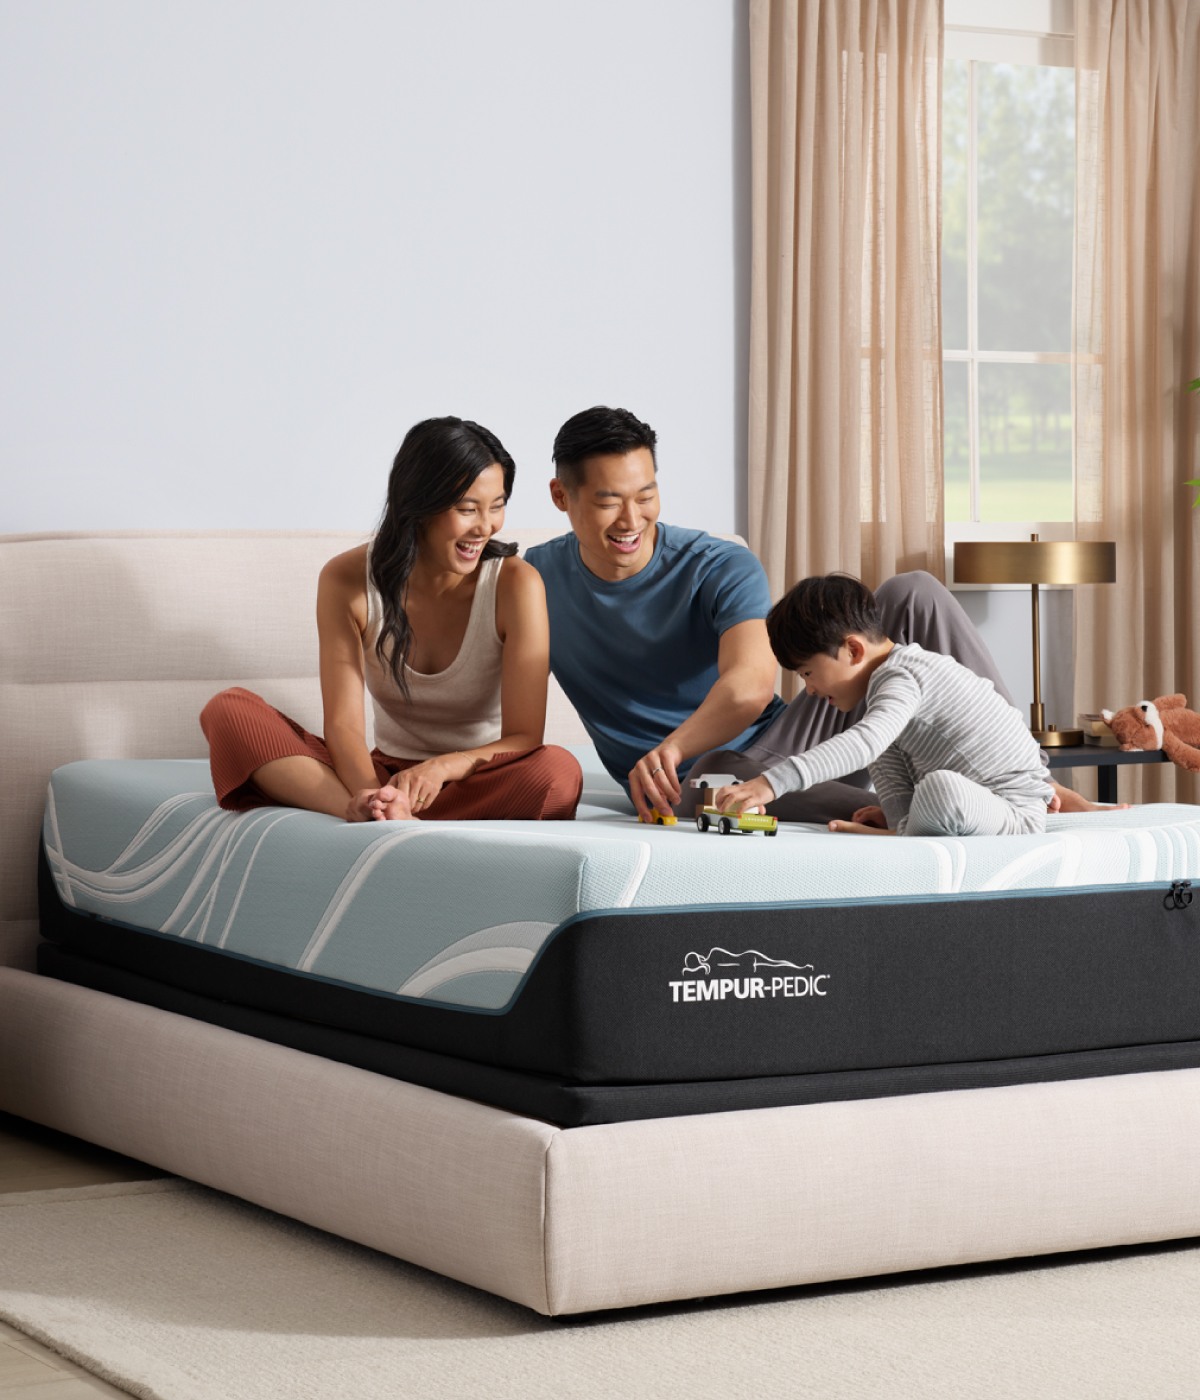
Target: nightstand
[[1105, 761]]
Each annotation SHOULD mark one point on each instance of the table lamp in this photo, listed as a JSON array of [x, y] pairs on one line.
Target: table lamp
[[1036, 562]]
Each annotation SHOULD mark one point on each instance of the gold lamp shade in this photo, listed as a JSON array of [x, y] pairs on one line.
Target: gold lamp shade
[[1035, 562]]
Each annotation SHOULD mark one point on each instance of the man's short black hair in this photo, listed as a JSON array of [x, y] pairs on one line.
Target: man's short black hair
[[598, 432], [816, 617]]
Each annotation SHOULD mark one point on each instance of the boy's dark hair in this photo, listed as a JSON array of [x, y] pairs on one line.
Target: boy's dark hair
[[598, 432], [816, 617]]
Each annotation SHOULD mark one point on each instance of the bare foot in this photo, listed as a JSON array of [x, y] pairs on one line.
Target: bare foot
[[1066, 799]]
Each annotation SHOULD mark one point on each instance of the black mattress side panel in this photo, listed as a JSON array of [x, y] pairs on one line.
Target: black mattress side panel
[[685, 995], [668, 996]]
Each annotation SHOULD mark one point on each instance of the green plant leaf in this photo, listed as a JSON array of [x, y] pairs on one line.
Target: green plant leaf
[[1194, 387], [1194, 482]]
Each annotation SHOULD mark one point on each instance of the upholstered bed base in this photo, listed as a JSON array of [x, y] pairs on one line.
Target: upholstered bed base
[[109, 645], [573, 1220]]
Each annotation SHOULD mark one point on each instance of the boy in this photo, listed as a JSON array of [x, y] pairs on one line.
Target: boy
[[947, 755]]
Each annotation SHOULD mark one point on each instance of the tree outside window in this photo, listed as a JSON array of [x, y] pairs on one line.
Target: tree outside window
[[1007, 231]]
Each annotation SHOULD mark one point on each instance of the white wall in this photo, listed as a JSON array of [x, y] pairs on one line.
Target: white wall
[[1004, 617], [248, 242]]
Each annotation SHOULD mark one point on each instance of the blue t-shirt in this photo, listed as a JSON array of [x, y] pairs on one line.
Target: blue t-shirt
[[638, 656]]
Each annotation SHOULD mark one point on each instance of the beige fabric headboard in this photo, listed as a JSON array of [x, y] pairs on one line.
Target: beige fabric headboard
[[111, 643]]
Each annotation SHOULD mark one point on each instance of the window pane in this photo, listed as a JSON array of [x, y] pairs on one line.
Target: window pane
[[956, 447], [1025, 443], [1026, 193], [954, 204]]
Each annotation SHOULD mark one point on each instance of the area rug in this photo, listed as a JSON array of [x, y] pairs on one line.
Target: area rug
[[175, 1292]]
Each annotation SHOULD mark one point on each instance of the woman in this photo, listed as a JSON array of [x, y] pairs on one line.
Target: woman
[[447, 631]]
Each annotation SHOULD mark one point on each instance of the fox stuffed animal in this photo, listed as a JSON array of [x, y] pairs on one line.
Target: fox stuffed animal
[[1165, 723]]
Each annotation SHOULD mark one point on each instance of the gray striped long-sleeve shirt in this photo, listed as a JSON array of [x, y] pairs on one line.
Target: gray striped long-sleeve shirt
[[926, 713]]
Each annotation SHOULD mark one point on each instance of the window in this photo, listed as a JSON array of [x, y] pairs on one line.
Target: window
[[1008, 171]]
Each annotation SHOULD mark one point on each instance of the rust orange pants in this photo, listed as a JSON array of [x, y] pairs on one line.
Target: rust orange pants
[[244, 732]]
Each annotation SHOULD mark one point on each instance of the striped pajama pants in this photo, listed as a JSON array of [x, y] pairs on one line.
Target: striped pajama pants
[[946, 803]]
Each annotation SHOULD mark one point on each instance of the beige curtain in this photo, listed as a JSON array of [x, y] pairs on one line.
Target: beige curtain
[[845, 442], [1137, 306]]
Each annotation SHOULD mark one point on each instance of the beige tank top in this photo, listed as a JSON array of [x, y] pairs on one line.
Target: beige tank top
[[458, 708]]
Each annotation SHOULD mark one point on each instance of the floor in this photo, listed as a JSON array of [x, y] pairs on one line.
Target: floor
[[33, 1158]]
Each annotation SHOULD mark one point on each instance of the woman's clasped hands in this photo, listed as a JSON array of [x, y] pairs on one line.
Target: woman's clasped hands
[[407, 795]]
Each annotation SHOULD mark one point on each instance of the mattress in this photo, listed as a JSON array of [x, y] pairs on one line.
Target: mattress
[[600, 969]]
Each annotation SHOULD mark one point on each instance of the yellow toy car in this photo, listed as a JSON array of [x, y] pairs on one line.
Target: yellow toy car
[[658, 818], [725, 822]]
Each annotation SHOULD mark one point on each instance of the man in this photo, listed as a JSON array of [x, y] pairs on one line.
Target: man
[[658, 639]]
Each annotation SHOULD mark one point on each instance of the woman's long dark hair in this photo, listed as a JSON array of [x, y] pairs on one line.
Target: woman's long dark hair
[[435, 466]]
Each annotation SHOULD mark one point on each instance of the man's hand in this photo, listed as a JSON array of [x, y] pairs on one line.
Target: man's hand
[[870, 816], [752, 796], [654, 780]]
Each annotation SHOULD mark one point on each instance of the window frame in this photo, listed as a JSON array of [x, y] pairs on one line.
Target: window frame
[[1033, 33]]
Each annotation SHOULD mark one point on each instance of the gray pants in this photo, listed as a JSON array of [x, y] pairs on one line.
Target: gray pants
[[948, 804], [916, 608]]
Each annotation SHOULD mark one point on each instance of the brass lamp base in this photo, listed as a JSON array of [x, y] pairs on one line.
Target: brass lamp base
[[1053, 738]]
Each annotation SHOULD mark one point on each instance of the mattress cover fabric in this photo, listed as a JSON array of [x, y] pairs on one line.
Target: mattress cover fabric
[[456, 914]]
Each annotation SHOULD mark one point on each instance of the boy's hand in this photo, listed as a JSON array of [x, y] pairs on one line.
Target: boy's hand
[[744, 797], [870, 816], [859, 829]]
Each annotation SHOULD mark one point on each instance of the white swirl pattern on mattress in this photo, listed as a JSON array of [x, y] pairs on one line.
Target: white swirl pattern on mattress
[[506, 948]]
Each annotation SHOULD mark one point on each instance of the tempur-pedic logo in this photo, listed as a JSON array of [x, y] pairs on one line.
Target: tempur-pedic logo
[[718, 974]]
